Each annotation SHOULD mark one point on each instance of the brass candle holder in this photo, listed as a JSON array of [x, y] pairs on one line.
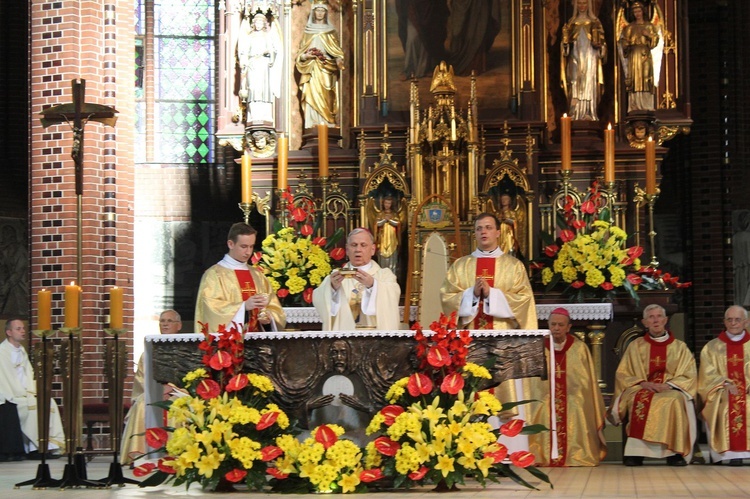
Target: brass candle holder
[[323, 205], [640, 198], [261, 204], [283, 206]]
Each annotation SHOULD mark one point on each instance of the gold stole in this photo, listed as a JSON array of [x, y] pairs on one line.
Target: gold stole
[[247, 286], [485, 270], [657, 366]]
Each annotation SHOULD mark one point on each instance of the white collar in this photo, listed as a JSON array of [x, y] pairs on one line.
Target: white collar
[[736, 337], [487, 254], [230, 263], [661, 339]]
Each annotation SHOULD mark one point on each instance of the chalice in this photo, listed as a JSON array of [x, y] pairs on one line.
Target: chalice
[[263, 314]]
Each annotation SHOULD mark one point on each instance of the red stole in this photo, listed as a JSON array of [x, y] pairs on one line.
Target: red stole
[[657, 368], [247, 287], [485, 270], [561, 401], [737, 403]]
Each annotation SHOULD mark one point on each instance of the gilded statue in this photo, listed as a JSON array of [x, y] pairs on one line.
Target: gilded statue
[[641, 45], [506, 204], [319, 62], [442, 79], [387, 223], [584, 50]]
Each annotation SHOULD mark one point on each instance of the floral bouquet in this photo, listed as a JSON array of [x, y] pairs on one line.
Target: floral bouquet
[[293, 260], [436, 428], [222, 431]]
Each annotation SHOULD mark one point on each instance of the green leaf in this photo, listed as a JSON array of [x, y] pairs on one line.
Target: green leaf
[[540, 475], [506, 470], [555, 280], [156, 479], [533, 428], [511, 405]]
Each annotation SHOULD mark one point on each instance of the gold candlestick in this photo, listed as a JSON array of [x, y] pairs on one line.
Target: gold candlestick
[[651, 200], [323, 208], [283, 205]]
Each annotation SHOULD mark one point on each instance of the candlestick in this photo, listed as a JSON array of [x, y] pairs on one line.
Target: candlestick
[[429, 125], [72, 305], [283, 160], [115, 308], [609, 154], [323, 150], [453, 123], [650, 166], [44, 306], [247, 178], [565, 141]]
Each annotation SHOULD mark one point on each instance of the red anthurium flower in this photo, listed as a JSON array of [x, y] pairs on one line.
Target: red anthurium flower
[[372, 475], [166, 465], [282, 293], [628, 260], [607, 286], [438, 357], [237, 383], [577, 284], [567, 235], [156, 437], [257, 256], [512, 427], [498, 455], [588, 207], [551, 250], [306, 230], [386, 446], [578, 224], [453, 383], [635, 251], [391, 412], [274, 472], [419, 384], [220, 360], [144, 469], [326, 436], [236, 475], [307, 295], [522, 459], [634, 279], [298, 214], [267, 420], [208, 389], [337, 253], [319, 241], [419, 474], [270, 452]]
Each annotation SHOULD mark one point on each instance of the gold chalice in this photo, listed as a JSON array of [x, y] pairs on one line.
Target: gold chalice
[[263, 314]]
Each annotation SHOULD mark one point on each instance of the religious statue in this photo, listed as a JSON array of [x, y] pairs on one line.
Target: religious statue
[[641, 49], [422, 30], [443, 79], [259, 54], [504, 203], [319, 61], [584, 50], [387, 226]]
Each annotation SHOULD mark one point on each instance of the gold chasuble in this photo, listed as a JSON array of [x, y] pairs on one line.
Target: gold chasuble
[[726, 415], [659, 418], [579, 409], [222, 294]]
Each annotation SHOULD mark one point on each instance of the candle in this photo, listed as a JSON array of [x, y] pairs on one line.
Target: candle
[[650, 166], [115, 308], [429, 125], [44, 306], [247, 178], [609, 154], [565, 141], [453, 123], [283, 151], [72, 305], [323, 150]]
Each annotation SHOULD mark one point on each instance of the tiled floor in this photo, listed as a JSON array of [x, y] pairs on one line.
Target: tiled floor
[[655, 481]]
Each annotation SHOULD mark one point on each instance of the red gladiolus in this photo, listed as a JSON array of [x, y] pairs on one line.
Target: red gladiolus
[[143, 470], [577, 284], [372, 475], [282, 293], [165, 465], [319, 241], [267, 420], [236, 475], [386, 446], [220, 360], [578, 224], [607, 286], [307, 295], [391, 412], [453, 383], [567, 235], [298, 215], [337, 253], [588, 207], [156, 437], [551, 250], [326, 436], [270, 453], [419, 384], [419, 474], [306, 230], [498, 455], [438, 357], [237, 383], [208, 389], [522, 459], [274, 472], [512, 427], [634, 279]]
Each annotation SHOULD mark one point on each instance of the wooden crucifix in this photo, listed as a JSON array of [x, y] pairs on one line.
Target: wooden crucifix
[[77, 114]]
